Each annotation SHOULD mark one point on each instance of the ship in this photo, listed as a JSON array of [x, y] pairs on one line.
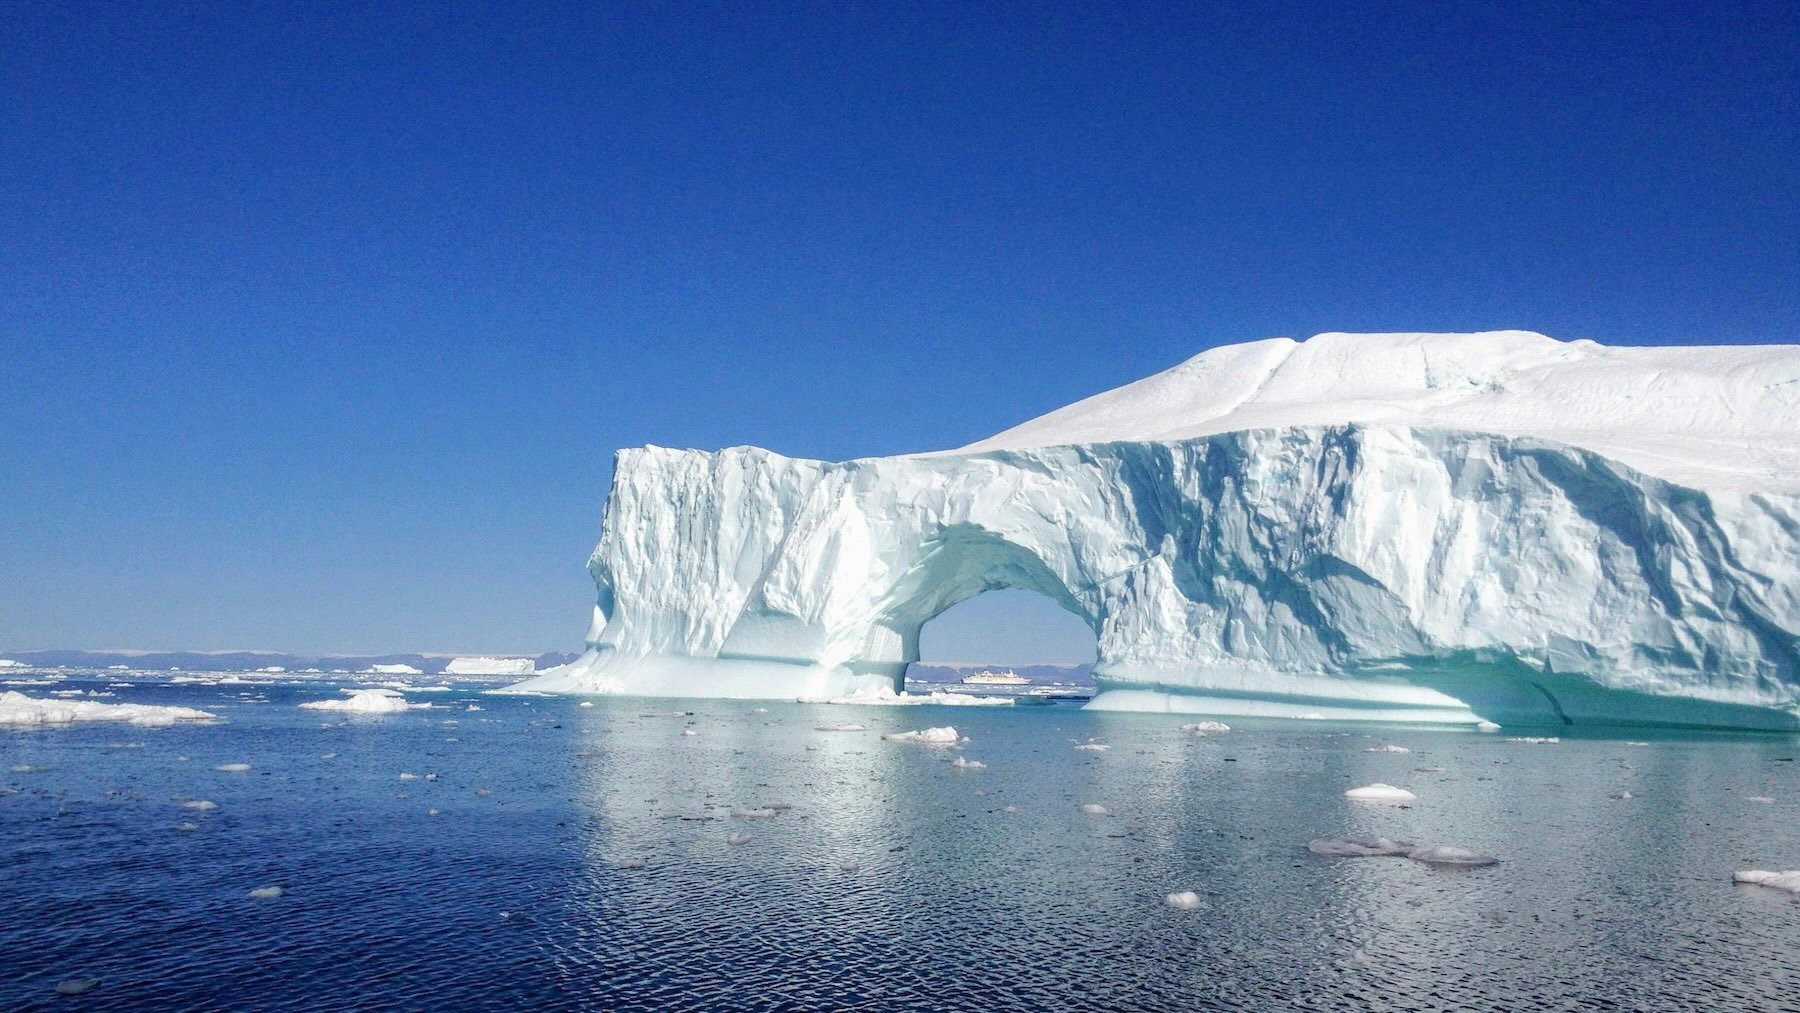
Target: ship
[[991, 678]]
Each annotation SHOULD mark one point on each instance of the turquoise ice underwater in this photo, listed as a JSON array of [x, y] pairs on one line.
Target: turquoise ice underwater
[[565, 854]]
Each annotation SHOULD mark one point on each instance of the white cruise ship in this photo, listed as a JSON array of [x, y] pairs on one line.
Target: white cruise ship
[[1006, 678]]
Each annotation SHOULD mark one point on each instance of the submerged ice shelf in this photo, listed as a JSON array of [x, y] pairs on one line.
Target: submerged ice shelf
[[1439, 528]]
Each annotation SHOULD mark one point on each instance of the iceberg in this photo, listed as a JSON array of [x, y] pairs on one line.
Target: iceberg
[[490, 666], [1444, 528], [364, 701], [18, 709]]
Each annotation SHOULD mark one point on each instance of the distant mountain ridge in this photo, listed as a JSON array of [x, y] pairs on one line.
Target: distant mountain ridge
[[250, 661]]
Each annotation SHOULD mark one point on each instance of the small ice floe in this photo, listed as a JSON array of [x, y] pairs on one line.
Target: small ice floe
[[631, 863], [1486, 726], [848, 865], [839, 728], [200, 804], [737, 839], [945, 736], [1387, 748], [406, 776], [430, 777], [1444, 854], [328, 756], [1206, 727], [1621, 796], [232, 768], [885, 697], [1010, 809], [1760, 799], [77, 986], [1430, 770], [365, 701], [1789, 881], [1637, 743], [1091, 746], [187, 828], [26, 768], [1186, 900], [1380, 793], [265, 893], [759, 710], [689, 731], [585, 703], [1091, 809], [963, 763], [746, 813], [483, 792], [1357, 847], [431, 812], [473, 707], [18, 709], [1536, 740]]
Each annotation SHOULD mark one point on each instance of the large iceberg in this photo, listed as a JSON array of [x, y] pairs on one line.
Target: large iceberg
[[1419, 527]]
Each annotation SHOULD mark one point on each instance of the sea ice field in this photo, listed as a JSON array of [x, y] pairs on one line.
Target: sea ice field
[[504, 852]]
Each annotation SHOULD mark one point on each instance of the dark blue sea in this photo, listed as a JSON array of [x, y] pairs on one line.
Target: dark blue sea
[[562, 857]]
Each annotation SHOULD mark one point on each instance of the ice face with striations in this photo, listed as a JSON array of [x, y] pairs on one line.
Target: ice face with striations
[[1423, 527]]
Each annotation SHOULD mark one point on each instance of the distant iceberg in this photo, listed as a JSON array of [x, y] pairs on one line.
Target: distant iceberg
[[490, 666], [1413, 527], [393, 670]]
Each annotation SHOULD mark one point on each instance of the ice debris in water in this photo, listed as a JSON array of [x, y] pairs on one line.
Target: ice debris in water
[[1092, 809], [200, 804], [1789, 881], [848, 865], [1444, 854], [967, 764], [585, 703], [18, 709], [1357, 847], [473, 707], [839, 728], [404, 776], [1387, 748], [1536, 740], [1380, 793], [1206, 727], [689, 731], [1621, 796], [631, 863], [1637, 743], [885, 697], [26, 768], [736, 839], [1763, 799], [1487, 726], [265, 893], [364, 701], [945, 736], [1186, 900], [1091, 747], [76, 986], [759, 710], [744, 813], [232, 768]]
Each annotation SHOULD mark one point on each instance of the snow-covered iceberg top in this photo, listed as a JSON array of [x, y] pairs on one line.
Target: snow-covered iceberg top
[[1440, 528], [19, 709], [490, 666]]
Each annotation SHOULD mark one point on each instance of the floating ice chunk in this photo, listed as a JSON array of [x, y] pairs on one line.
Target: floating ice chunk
[[430, 777], [945, 736], [232, 768], [364, 701], [18, 709], [1358, 847], [1487, 726], [839, 728], [1380, 793], [1010, 809], [1430, 770], [1387, 748], [1444, 854], [1789, 881], [187, 828], [265, 893], [1637, 743], [1091, 747], [883, 696], [328, 756], [200, 804], [1536, 740], [1186, 900], [736, 839], [1621, 796], [1091, 809], [759, 710], [631, 863], [26, 768], [967, 764], [473, 707], [1762, 799], [848, 865], [689, 731], [585, 703], [483, 792], [77, 986], [743, 813], [1206, 727], [405, 776], [431, 812]]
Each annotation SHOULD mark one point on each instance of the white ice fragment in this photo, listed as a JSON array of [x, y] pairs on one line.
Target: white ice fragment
[[689, 731], [232, 768], [26, 768], [200, 804], [1091, 747], [1206, 727], [1760, 799], [364, 701], [884, 696], [187, 828], [759, 710], [1429, 770], [1186, 900], [848, 865], [1621, 796], [945, 736], [1789, 881], [1444, 854], [1387, 748], [407, 776], [585, 703], [328, 756], [839, 728], [1092, 809], [430, 777], [473, 707], [744, 813], [736, 839], [1487, 726], [1358, 847], [1380, 793], [265, 893], [1637, 743], [967, 764], [431, 812], [1010, 809], [1536, 740], [18, 709]]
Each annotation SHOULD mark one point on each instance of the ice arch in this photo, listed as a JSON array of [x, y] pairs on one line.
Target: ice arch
[[1397, 527]]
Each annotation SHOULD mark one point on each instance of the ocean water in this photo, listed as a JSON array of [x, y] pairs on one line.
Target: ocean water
[[518, 891]]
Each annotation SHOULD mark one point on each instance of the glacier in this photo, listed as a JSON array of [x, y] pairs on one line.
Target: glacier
[[1445, 528]]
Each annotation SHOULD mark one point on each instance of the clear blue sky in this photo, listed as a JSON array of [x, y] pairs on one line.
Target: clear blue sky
[[319, 323]]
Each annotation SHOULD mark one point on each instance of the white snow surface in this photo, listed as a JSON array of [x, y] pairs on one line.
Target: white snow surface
[[1404, 527], [18, 709], [490, 666], [393, 670], [1789, 881]]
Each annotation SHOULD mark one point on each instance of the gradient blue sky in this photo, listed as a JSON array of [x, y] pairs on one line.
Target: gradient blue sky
[[319, 325]]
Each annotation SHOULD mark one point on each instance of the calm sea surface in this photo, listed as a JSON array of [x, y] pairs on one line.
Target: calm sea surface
[[894, 881]]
